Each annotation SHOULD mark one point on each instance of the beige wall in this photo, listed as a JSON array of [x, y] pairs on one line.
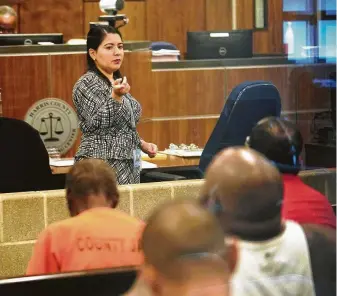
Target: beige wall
[[24, 215]]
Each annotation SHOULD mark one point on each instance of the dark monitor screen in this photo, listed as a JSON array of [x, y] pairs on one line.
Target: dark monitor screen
[[220, 45], [29, 39], [109, 282]]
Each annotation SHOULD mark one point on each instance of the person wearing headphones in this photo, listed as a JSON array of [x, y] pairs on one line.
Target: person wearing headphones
[[273, 256], [281, 142]]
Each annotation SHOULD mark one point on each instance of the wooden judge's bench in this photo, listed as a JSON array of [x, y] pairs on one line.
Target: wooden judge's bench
[[181, 100]]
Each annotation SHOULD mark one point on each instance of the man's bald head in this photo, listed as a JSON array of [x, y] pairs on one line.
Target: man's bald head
[[181, 234], [247, 189], [8, 18]]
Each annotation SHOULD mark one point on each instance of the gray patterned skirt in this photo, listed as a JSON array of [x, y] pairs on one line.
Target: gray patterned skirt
[[124, 169]]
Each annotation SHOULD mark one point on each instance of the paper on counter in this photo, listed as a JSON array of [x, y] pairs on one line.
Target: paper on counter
[[183, 153], [148, 165], [61, 162], [70, 162], [163, 52]]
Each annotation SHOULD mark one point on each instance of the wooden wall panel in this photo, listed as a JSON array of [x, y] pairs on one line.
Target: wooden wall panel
[[16, 7], [163, 133], [178, 105], [295, 84], [244, 14], [63, 76], [62, 85], [218, 15], [136, 28], [91, 14], [23, 81], [279, 75], [185, 93], [138, 70], [169, 20], [135, 11], [309, 95], [52, 16], [173, 92], [271, 40]]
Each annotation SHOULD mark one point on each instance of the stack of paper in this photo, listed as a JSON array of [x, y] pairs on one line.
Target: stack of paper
[[148, 165], [165, 55], [163, 52], [61, 162]]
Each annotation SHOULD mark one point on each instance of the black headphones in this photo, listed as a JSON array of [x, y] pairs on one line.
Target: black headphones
[[292, 151]]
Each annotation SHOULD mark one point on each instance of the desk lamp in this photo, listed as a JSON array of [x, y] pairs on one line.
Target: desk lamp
[[111, 7]]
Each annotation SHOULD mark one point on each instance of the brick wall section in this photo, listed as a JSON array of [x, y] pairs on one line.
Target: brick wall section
[[24, 215]]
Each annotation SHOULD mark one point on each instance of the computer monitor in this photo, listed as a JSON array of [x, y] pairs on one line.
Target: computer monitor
[[110, 282], [30, 39], [219, 45]]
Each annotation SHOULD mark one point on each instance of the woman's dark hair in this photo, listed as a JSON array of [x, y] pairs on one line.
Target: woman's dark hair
[[95, 37]]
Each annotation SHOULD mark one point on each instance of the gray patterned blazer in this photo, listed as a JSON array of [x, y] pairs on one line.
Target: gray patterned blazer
[[106, 125]]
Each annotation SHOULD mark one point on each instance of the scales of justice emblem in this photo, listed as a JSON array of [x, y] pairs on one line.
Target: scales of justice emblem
[[44, 131], [56, 121]]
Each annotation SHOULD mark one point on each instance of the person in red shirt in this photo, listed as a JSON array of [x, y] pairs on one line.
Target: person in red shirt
[[281, 142], [97, 235]]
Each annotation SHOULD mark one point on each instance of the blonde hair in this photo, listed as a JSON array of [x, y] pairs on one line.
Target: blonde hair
[[7, 10]]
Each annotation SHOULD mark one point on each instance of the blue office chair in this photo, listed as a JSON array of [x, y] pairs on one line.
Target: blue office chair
[[247, 104]]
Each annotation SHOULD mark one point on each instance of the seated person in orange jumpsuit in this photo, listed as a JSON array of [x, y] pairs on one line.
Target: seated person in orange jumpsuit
[[97, 235]]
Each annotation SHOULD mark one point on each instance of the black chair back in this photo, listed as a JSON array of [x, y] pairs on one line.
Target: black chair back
[[23, 157], [247, 104], [109, 282]]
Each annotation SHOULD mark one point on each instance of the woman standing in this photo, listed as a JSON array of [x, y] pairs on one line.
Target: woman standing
[[107, 113]]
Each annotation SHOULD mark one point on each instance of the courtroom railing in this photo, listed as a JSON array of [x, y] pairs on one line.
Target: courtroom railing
[[26, 214]]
